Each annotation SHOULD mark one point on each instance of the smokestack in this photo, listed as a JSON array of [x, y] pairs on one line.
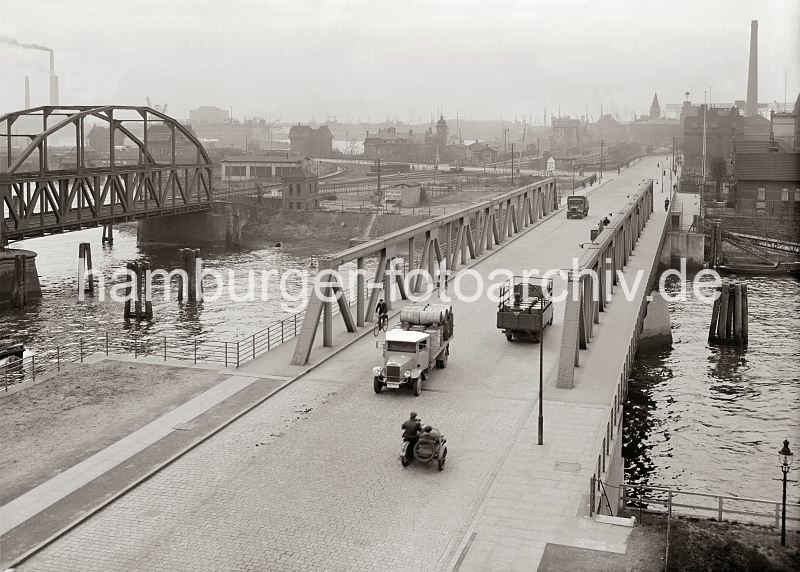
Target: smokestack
[[53, 90], [751, 108], [53, 79], [27, 92]]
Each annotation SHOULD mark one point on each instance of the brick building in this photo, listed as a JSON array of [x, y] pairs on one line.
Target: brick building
[[768, 184], [300, 191], [308, 142], [389, 145]]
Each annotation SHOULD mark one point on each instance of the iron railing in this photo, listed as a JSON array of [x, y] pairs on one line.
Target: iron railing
[[719, 507], [230, 353]]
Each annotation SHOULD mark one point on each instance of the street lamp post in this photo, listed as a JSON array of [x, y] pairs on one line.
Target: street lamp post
[[785, 457], [541, 384]]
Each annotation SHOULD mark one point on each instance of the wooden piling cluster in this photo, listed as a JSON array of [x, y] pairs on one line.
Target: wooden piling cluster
[[192, 265], [715, 258], [729, 323], [85, 278], [19, 284], [138, 302]]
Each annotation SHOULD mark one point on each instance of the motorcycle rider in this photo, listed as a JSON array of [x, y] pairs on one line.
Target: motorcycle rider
[[411, 428]]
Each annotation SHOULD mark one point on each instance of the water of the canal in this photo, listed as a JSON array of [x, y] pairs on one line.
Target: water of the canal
[[711, 418], [60, 318]]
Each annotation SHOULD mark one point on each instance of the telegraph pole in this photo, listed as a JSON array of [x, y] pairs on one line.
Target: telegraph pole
[[601, 159], [512, 165]]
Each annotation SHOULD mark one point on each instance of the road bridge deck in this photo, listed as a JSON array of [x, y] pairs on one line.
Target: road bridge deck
[[310, 478]]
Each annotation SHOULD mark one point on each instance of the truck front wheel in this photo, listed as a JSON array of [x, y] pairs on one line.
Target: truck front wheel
[[418, 385], [377, 384]]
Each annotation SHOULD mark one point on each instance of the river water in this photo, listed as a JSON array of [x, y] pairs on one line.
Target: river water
[[61, 318], [710, 418]]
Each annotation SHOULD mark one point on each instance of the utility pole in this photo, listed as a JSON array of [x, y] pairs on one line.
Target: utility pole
[[601, 159], [512, 165], [379, 175]]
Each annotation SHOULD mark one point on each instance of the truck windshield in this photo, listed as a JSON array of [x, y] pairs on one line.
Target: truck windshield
[[575, 200], [395, 346]]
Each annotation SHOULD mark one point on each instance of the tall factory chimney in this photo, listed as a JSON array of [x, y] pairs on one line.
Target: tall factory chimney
[[27, 92], [53, 80], [751, 107]]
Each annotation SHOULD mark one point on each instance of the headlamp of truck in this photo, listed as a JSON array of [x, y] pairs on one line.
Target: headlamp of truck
[[407, 374], [377, 370]]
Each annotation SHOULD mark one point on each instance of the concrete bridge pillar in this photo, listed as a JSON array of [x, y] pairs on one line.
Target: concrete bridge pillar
[[11, 281], [219, 227], [656, 330]]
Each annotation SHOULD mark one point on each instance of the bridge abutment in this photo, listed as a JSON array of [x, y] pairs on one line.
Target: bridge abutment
[[219, 227], [11, 282]]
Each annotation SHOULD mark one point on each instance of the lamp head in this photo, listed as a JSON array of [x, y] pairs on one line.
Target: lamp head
[[785, 454]]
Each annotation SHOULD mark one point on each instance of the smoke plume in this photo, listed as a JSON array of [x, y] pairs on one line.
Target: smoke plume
[[13, 42]]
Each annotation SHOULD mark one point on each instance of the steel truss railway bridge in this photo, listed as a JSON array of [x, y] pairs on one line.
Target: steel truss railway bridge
[[44, 190]]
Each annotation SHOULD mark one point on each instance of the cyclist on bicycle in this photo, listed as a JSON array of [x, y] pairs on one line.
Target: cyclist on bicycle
[[383, 313]]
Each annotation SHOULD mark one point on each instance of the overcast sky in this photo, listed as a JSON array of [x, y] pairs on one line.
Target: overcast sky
[[374, 59]]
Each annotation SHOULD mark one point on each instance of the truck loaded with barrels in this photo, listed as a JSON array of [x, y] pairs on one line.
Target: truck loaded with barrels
[[412, 348]]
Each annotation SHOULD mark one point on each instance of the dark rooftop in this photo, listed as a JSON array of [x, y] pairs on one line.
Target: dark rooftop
[[768, 166]]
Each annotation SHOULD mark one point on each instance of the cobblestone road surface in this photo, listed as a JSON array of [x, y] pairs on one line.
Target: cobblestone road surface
[[310, 479]]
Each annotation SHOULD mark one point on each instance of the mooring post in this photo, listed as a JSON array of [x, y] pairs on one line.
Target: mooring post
[[89, 266], [138, 304], [712, 329], [744, 315], [148, 302], [128, 290], [737, 316], [182, 283], [198, 277], [723, 312], [108, 234], [192, 274]]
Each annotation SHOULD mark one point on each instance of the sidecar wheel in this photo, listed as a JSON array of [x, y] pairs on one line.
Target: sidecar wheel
[[441, 464]]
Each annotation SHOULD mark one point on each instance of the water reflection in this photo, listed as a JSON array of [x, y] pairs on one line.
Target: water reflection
[[711, 418]]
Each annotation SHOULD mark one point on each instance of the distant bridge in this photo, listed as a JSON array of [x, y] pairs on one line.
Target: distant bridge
[[168, 172]]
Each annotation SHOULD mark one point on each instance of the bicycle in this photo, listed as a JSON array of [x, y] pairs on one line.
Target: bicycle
[[382, 323]]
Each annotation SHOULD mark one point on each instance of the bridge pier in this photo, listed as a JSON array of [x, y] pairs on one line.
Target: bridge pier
[[25, 285], [656, 329]]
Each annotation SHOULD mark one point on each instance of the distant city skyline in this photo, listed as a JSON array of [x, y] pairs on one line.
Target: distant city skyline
[[299, 60]]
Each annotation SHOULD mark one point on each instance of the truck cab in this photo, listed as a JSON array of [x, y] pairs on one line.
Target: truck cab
[[406, 354], [577, 206]]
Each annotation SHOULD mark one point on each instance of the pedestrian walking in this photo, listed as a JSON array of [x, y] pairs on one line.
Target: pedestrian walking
[[666, 204]]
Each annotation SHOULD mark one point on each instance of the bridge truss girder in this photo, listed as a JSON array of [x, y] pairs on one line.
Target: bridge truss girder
[[43, 200]]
